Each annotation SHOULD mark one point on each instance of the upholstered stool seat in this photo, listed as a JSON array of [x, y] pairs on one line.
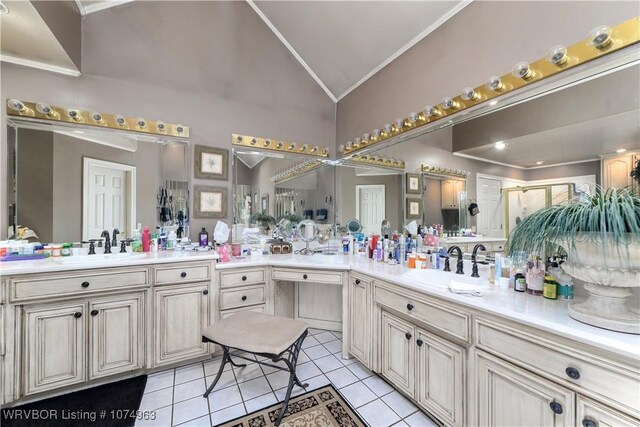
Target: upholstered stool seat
[[276, 338]]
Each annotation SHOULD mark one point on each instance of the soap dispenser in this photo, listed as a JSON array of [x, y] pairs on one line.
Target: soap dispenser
[[204, 238]]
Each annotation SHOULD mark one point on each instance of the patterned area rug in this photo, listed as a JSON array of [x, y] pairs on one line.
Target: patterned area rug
[[323, 407]]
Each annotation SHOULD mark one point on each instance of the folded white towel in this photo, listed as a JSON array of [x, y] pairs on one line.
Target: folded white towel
[[465, 289]]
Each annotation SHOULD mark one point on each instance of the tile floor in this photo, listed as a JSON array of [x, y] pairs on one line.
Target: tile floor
[[176, 394]]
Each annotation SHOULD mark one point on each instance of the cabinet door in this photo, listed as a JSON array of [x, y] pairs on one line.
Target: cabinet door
[[594, 414], [617, 171], [458, 187], [447, 189], [398, 352], [116, 335], [440, 385], [512, 396], [360, 319], [54, 353], [181, 315]]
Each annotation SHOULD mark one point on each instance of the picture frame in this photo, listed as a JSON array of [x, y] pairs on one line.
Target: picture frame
[[209, 202], [264, 203], [413, 183], [211, 162], [414, 208]]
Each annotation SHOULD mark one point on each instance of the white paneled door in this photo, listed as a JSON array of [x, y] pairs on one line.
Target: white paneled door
[[490, 204], [108, 192], [370, 207]]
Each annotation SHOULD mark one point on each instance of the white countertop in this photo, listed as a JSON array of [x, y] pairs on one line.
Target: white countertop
[[474, 239]]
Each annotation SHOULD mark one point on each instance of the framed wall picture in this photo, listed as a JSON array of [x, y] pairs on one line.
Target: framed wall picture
[[211, 163], [209, 202], [265, 203], [414, 183], [414, 208]]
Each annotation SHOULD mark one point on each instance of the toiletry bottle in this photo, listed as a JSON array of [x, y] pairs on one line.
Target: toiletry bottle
[[136, 244], [146, 240], [401, 250], [498, 268], [204, 238], [520, 283], [172, 240], [153, 246]]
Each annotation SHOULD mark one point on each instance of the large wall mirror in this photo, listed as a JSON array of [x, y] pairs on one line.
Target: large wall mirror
[[70, 183]]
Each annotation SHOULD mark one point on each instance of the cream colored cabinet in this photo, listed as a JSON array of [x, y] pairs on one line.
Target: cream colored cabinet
[[616, 171], [181, 314], [511, 396], [54, 346], [398, 352], [116, 338], [593, 414], [450, 188], [360, 319], [440, 368]]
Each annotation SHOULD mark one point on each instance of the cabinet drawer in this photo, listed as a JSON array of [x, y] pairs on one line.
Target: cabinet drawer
[[434, 314], [183, 274], [558, 362], [248, 295], [497, 247], [75, 283], [255, 309], [244, 277], [312, 276], [593, 412]]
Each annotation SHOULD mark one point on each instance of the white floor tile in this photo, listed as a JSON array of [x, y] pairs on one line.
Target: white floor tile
[[211, 367], [358, 394], [360, 371], [219, 417], [337, 334], [302, 357], [156, 399], [334, 346], [345, 362], [224, 398], [316, 352], [278, 379], [254, 388], [401, 424], [328, 363], [377, 385], [341, 377], [295, 391], [378, 414], [226, 379], [189, 373], [317, 382], [309, 342], [186, 391], [198, 422], [307, 370], [268, 370], [420, 420], [159, 381], [313, 331], [247, 373], [325, 337], [189, 410], [260, 402], [162, 418], [240, 361], [399, 404]]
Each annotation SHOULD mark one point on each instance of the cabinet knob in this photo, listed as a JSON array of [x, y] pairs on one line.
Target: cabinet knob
[[588, 422], [357, 281], [407, 336], [77, 315], [556, 407], [205, 292], [244, 297], [409, 307], [94, 312], [304, 276], [419, 342], [244, 278], [572, 373], [85, 284], [183, 274]]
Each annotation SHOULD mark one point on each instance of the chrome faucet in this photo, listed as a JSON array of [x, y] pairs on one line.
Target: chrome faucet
[[474, 271], [107, 242], [459, 263]]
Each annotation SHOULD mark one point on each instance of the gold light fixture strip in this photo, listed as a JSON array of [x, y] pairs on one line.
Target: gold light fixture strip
[[43, 111], [444, 171], [297, 170], [378, 161], [281, 146], [602, 41]]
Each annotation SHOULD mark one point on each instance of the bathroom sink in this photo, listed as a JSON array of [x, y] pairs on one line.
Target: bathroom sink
[[441, 279], [100, 258]]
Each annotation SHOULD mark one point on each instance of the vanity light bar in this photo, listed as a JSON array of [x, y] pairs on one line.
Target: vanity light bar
[[275, 145], [378, 161], [44, 111], [297, 171], [444, 171], [600, 42]]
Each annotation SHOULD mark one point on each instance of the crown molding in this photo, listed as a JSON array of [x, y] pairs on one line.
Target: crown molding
[[96, 7], [40, 65]]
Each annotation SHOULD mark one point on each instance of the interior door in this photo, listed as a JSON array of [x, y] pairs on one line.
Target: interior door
[[370, 207], [490, 205]]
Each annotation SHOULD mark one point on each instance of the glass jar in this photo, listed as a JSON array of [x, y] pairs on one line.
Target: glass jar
[[56, 251], [520, 282], [535, 277], [550, 287], [66, 249]]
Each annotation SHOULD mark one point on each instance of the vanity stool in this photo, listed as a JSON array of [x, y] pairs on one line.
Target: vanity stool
[[276, 338]]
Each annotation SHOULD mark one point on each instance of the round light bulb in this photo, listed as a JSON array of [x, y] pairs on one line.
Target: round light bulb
[[141, 123], [522, 70], [557, 55], [430, 111], [365, 137], [448, 103], [469, 94], [16, 105], [413, 117], [494, 83], [120, 120], [161, 126], [73, 114], [399, 124], [387, 128], [376, 133], [600, 37]]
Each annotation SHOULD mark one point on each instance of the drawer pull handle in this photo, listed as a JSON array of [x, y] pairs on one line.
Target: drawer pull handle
[[244, 278], [407, 336], [77, 315], [244, 297], [587, 422], [573, 373], [304, 276], [94, 312], [409, 307], [419, 342], [85, 284], [205, 292], [357, 281], [556, 407], [183, 274]]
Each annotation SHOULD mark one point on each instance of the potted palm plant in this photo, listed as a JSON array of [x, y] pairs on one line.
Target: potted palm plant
[[601, 236], [262, 220]]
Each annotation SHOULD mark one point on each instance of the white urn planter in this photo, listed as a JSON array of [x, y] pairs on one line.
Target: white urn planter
[[609, 271]]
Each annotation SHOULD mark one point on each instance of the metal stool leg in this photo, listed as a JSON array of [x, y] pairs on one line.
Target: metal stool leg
[[225, 358], [235, 364], [293, 378]]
